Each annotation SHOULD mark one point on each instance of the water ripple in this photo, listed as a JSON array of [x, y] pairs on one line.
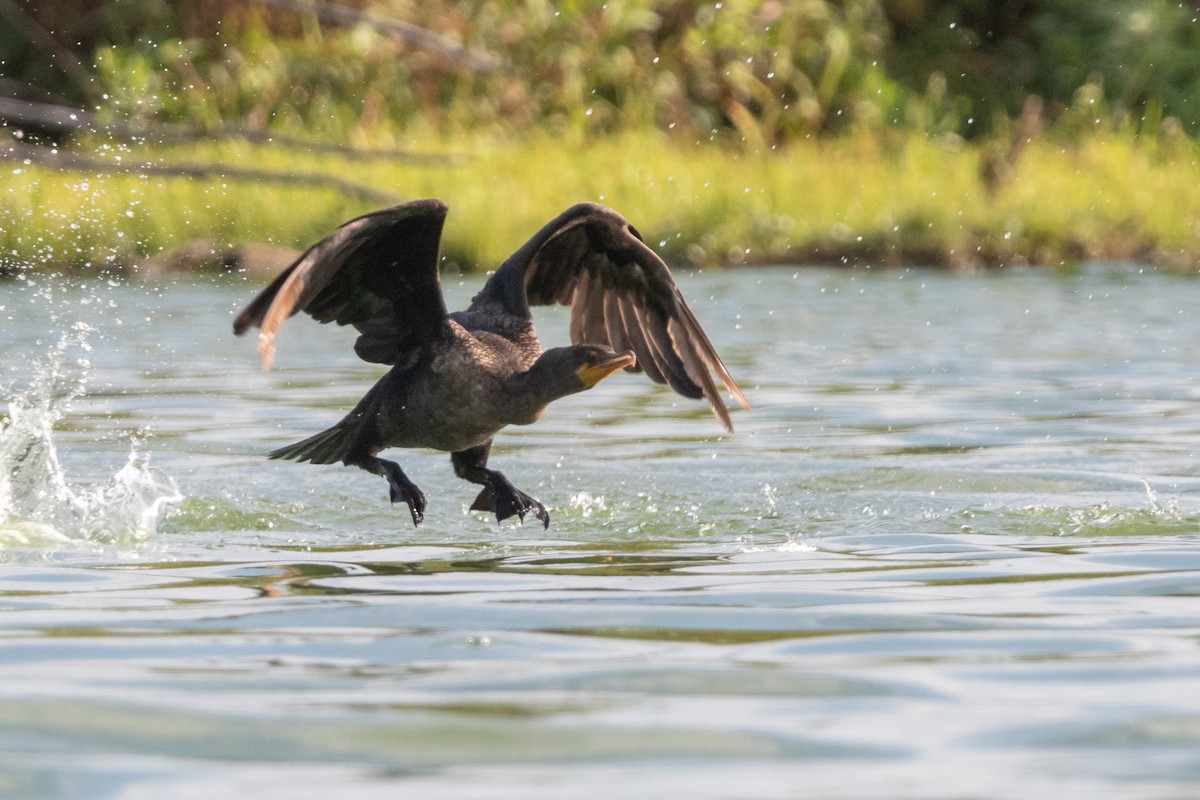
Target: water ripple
[[953, 552]]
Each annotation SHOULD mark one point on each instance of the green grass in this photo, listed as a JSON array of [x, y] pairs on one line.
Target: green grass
[[893, 198]]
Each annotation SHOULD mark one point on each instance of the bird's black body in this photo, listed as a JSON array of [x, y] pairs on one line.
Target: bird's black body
[[458, 378]]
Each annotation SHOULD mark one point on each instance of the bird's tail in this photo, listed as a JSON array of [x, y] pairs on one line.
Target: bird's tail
[[327, 447]]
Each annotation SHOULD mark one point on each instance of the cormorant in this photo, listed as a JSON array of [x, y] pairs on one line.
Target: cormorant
[[457, 378]]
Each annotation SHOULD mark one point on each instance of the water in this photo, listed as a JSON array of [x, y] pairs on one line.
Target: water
[[954, 552]]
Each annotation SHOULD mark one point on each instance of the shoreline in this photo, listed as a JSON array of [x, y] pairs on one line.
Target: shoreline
[[868, 201]]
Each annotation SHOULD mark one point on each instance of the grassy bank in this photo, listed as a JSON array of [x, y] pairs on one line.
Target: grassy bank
[[869, 199]]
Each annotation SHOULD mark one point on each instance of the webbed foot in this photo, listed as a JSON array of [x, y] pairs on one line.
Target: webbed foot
[[506, 500], [402, 490], [414, 497], [499, 495]]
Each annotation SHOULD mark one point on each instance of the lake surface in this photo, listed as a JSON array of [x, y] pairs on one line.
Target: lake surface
[[953, 552]]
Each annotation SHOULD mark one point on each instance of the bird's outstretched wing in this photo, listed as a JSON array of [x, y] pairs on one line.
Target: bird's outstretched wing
[[377, 272], [621, 295]]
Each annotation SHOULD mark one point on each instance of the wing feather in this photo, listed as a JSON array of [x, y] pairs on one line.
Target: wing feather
[[621, 296], [377, 273], [637, 342], [666, 364], [614, 323], [587, 312]]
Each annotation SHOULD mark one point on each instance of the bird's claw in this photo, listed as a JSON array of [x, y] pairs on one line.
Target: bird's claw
[[537, 508], [413, 497], [509, 501]]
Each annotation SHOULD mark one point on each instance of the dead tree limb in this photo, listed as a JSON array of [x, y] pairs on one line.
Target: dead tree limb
[[74, 162], [65, 119], [408, 33], [63, 58]]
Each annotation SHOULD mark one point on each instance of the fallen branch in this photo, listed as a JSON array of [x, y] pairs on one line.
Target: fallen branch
[[408, 33], [206, 255], [74, 162], [64, 118], [60, 56]]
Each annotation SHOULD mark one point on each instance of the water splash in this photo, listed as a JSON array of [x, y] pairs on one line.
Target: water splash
[[37, 503], [771, 501], [587, 504], [1170, 511], [792, 544]]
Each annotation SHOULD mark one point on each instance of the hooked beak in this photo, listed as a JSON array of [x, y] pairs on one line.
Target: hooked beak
[[594, 373]]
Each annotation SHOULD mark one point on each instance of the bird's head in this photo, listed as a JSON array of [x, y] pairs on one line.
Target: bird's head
[[567, 370], [558, 373]]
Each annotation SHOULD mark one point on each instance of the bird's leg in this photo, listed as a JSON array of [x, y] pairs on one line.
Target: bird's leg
[[498, 495], [402, 489]]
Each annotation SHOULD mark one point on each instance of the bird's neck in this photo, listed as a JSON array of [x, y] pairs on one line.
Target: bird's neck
[[528, 393], [527, 401]]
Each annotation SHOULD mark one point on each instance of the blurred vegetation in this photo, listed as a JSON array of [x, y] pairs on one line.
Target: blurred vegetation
[[766, 71], [838, 200], [888, 130]]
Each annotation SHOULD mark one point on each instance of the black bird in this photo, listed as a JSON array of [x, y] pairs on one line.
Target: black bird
[[458, 378]]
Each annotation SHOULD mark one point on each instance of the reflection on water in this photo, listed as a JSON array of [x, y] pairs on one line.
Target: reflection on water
[[952, 553]]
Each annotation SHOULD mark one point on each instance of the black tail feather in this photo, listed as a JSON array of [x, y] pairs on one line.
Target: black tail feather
[[327, 447]]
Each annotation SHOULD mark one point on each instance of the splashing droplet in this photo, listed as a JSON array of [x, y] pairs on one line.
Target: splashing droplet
[[36, 500]]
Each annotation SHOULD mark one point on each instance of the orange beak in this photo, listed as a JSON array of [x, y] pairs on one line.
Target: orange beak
[[594, 373]]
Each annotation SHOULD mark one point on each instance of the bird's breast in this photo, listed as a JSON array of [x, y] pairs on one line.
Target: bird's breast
[[449, 403]]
